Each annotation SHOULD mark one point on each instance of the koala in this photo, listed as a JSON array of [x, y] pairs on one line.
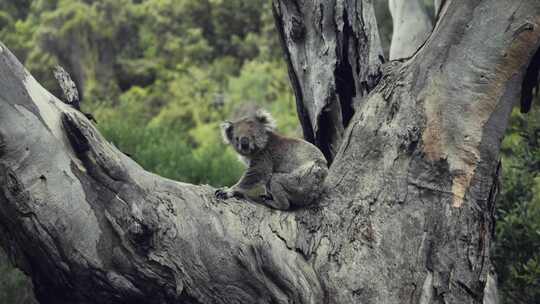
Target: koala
[[282, 172]]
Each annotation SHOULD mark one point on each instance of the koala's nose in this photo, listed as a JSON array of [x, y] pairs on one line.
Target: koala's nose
[[244, 143]]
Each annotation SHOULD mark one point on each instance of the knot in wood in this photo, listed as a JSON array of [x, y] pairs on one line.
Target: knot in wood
[[76, 136], [13, 184], [15, 189], [141, 234], [298, 31]]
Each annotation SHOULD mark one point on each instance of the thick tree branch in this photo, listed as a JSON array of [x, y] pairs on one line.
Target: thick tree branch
[[334, 54], [90, 226]]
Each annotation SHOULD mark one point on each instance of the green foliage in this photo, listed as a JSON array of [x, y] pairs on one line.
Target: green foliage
[[168, 153], [517, 252], [14, 286], [15, 9], [179, 142], [265, 84], [159, 75]]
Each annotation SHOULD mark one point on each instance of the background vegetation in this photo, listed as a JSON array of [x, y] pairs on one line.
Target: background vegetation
[[159, 76]]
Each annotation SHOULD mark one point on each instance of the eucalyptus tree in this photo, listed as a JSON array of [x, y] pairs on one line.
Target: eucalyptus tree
[[407, 209]]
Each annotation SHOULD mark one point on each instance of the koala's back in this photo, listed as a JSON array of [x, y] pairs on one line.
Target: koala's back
[[288, 153]]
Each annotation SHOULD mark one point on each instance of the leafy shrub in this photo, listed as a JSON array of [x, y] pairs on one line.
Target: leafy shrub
[[517, 251]]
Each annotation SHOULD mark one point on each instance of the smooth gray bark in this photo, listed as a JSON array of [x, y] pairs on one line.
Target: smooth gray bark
[[411, 27], [406, 215]]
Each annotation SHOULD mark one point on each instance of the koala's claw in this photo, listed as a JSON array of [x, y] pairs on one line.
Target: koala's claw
[[222, 194], [225, 193]]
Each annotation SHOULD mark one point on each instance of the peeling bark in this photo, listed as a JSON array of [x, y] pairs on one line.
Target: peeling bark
[[406, 214], [411, 25], [334, 54]]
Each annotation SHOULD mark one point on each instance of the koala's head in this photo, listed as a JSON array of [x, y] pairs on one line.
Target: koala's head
[[249, 134]]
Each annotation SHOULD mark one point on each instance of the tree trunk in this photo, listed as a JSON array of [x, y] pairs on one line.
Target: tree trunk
[[411, 27], [407, 211], [334, 54]]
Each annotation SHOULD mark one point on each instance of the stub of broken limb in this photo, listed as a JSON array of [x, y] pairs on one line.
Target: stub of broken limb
[[69, 89]]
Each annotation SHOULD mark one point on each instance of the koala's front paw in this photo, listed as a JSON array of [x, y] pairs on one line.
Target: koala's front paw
[[223, 193]]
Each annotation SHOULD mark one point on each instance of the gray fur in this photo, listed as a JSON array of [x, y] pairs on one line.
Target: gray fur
[[282, 172], [266, 119]]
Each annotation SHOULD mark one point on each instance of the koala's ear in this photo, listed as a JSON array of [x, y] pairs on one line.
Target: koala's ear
[[226, 131], [266, 119]]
